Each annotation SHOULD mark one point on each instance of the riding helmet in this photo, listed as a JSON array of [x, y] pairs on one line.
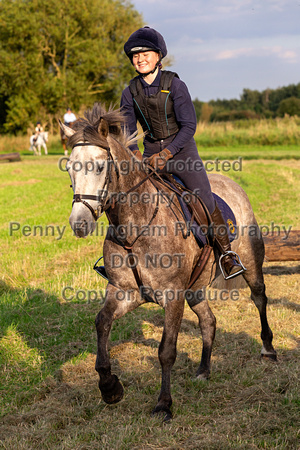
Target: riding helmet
[[145, 39]]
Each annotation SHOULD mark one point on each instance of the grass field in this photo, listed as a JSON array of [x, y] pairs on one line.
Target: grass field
[[50, 296]]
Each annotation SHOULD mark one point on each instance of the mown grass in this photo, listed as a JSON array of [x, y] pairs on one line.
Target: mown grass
[[49, 395]]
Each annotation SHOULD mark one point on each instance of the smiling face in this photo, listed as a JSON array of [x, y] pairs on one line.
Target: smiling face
[[145, 62]]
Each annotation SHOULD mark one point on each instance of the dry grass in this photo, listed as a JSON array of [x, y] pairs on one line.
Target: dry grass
[[50, 396], [256, 132], [248, 403]]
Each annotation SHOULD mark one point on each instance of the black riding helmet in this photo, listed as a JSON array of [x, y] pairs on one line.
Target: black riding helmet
[[143, 40]]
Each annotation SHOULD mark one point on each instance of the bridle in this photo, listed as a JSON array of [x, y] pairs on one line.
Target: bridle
[[103, 202]]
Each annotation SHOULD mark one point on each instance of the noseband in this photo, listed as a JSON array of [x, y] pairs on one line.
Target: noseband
[[80, 198]]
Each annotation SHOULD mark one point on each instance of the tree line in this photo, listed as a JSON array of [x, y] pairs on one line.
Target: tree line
[[252, 104], [56, 54], [69, 53]]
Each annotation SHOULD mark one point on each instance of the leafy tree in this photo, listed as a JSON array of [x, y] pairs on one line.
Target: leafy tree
[[61, 53], [250, 97], [290, 106]]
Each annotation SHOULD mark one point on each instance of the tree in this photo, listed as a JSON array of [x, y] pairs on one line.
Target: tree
[[251, 99], [290, 106], [61, 53]]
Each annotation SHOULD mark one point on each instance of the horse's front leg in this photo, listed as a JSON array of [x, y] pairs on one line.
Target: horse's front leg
[[114, 308], [167, 353], [207, 323]]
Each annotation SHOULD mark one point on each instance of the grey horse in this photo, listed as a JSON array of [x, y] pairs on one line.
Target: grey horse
[[155, 257]]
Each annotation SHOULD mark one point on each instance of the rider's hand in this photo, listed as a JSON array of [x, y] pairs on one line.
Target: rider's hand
[[159, 160]]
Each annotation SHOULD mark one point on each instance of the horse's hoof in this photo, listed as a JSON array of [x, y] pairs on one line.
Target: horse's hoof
[[164, 412], [269, 356], [113, 392], [203, 375]]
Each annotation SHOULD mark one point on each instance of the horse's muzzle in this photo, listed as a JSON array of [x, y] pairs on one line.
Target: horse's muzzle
[[82, 222]]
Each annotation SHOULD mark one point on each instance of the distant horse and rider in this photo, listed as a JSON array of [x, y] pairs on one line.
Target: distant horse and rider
[[38, 140]]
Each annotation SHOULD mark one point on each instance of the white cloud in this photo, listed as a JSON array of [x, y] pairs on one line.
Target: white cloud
[[290, 56]]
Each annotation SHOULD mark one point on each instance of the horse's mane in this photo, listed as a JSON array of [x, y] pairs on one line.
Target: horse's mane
[[86, 129]]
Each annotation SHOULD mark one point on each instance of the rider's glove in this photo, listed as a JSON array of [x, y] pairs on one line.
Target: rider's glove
[[159, 160], [138, 155]]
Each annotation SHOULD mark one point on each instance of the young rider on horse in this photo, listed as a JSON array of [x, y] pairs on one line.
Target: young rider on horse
[[38, 129], [161, 103]]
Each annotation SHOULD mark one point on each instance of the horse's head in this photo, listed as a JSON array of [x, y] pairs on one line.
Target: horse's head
[[45, 136], [93, 167]]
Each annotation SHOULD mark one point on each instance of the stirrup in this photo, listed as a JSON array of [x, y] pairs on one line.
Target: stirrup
[[243, 268], [100, 269]]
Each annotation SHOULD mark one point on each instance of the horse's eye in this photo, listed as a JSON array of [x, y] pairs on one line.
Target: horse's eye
[[68, 166], [99, 169]]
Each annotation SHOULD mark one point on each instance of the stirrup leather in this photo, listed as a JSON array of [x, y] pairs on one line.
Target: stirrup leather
[[243, 268], [100, 269]]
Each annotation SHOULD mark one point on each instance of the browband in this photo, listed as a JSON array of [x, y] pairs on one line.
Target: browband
[[86, 144]]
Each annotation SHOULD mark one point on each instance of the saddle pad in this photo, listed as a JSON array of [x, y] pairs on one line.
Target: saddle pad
[[227, 213], [229, 219]]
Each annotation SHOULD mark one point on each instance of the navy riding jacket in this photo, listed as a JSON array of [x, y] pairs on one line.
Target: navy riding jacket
[[186, 162], [183, 108]]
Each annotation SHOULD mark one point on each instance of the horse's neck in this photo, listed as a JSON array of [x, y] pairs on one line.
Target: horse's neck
[[141, 199]]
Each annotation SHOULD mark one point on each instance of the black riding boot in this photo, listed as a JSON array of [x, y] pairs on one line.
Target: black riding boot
[[230, 263]]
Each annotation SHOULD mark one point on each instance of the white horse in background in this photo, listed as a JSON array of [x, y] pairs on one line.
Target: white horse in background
[[40, 141]]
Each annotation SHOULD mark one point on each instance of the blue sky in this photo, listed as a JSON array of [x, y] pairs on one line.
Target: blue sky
[[221, 47]]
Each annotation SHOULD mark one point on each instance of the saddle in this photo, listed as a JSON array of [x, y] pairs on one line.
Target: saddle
[[198, 219]]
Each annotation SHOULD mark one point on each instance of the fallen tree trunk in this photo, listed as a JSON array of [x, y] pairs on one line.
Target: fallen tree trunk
[[10, 157], [279, 247]]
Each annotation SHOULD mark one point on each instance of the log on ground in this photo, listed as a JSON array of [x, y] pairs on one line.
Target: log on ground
[[280, 247], [10, 157]]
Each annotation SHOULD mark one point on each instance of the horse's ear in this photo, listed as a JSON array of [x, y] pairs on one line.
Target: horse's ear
[[67, 130], [103, 128]]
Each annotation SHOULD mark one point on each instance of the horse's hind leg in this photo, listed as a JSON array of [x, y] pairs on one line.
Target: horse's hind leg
[[207, 324], [109, 384], [255, 280], [167, 354]]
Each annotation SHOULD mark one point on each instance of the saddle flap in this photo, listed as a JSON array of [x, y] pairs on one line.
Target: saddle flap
[[195, 213]]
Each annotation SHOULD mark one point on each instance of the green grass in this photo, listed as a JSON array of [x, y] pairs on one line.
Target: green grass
[[49, 396], [250, 152]]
